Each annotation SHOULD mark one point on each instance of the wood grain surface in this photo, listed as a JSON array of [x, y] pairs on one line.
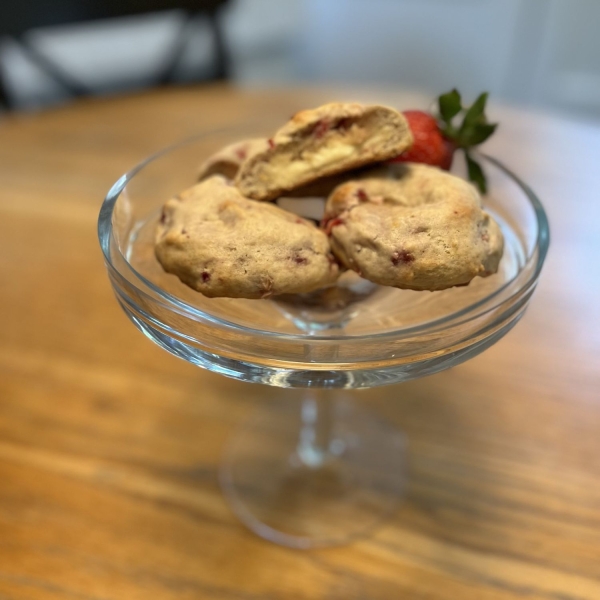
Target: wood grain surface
[[109, 447]]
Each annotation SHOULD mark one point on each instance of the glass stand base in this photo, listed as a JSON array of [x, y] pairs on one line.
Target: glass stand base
[[314, 473]]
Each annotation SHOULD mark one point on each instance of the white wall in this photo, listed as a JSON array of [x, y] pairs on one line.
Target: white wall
[[429, 44], [534, 52], [569, 68]]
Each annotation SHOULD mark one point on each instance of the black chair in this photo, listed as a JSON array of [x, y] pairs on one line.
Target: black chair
[[19, 16]]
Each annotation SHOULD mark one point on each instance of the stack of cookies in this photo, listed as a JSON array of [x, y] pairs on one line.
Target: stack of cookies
[[409, 226]]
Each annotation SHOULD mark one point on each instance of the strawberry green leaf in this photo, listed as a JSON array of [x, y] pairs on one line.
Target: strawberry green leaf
[[476, 174], [477, 134], [476, 113], [450, 105]]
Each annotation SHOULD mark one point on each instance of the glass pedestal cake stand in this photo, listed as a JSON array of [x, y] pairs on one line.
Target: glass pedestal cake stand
[[325, 469]]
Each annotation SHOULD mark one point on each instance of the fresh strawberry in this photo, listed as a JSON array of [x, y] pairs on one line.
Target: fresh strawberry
[[430, 146], [436, 137]]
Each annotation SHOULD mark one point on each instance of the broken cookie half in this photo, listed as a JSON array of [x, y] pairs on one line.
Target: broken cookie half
[[321, 142]]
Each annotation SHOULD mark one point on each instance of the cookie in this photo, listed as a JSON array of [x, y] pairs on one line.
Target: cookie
[[425, 230], [227, 161], [222, 244], [321, 142]]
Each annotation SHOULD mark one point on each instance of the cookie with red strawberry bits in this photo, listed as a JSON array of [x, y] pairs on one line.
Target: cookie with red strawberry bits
[[426, 230], [317, 143], [224, 245]]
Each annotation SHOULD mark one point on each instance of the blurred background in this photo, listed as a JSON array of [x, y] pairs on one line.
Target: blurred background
[[539, 53]]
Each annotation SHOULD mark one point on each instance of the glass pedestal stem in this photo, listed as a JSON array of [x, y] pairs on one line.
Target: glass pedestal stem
[[316, 472], [316, 442]]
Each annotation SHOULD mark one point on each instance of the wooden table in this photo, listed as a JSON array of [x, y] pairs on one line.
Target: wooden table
[[109, 446]]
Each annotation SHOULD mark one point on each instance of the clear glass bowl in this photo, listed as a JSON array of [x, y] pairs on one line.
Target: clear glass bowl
[[324, 470]]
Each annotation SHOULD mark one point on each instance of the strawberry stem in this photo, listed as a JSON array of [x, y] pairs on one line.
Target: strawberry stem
[[476, 174]]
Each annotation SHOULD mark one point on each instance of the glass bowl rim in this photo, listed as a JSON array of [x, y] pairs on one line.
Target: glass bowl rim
[[537, 255]]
